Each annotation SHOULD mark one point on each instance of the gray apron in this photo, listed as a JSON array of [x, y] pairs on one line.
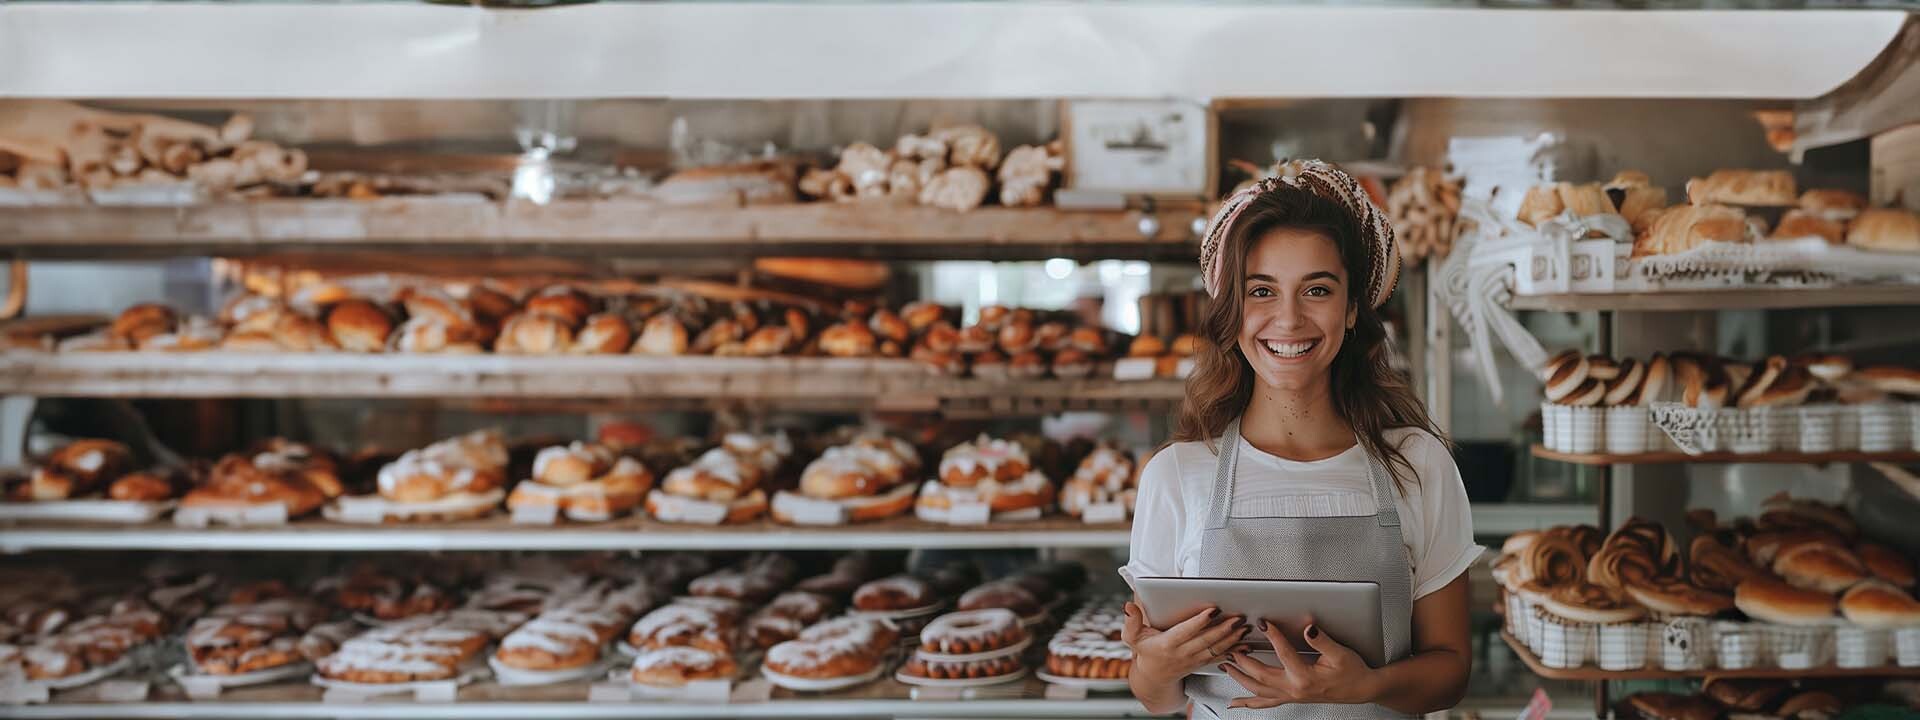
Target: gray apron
[[1282, 548]]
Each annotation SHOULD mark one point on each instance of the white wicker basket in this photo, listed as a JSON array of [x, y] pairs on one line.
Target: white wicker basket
[[1564, 643], [1630, 431], [1622, 646], [1800, 647], [1860, 647], [1738, 645], [1884, 427], [1686, 644]]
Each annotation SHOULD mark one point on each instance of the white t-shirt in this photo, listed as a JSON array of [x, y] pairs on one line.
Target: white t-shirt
[[1176, 488]]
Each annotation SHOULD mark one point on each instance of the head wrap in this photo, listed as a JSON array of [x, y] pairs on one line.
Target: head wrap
[[1327, 182]]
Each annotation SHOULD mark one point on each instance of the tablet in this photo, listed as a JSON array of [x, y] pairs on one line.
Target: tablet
[[1348, 611]]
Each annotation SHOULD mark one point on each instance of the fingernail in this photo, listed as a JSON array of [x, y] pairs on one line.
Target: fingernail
[[1263, 626], [1313, 631], [1214, 613]]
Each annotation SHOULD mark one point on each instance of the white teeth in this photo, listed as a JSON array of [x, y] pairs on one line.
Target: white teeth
[[1289, 350]]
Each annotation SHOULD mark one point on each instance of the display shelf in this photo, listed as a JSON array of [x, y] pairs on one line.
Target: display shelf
[[960, 50], [1777, 458], [1731, 299], [885, 698], [1594, 673], [499, 533], [597, 228], [888, 384], [1494, 519]]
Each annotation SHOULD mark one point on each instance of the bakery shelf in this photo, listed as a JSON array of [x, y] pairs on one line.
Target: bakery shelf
[[1732, 299], [499, 533], [595, 228], [1594, 673], [970, 50], [888, 384], [884, 698], [1663, 458]]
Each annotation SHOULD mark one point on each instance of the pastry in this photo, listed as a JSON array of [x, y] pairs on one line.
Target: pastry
[[435, 305], [472, 464], [1811, 705], [1743, 187], [1777, 602], [1092, 341], [972, 632], [1890, 230], [602, 334], [531, 333], [682, 625], [969, 464], [1886, 563], [1818, 566], [136, 324], [1002, 594], [1827, 368], [429, 335], [1681, 229], [921, 316], [1832, 205], [359, 326], [1564, 375], [1716, 567], [920, 667], [1088, 654], [1146, 346], [1747, 695], [1798, 224], [677, 666], [1877, 604], [1542, 203], [565, 304], [848, 339], [1625, 385], [820, 660], [1072, 364], [1889, 379], [662, 335], [1583, 602], [1670, 597], [899, 592]]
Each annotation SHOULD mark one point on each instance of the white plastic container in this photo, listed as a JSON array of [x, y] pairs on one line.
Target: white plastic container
[[1622, 646], [1884, 427], [1629, 430], [1565, 644], [1800, 647], [1738, 645], [1588, 430], [1819, 429], [1686, 644], [1860, 647]]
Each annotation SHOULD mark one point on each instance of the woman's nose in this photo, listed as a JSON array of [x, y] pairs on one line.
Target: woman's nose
[[1287, 315]]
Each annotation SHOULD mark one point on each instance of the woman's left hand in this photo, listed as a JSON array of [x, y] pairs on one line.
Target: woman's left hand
[[1340, 676]]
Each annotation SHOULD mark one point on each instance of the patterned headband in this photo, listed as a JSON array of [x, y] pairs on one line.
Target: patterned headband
[[1325, 181]]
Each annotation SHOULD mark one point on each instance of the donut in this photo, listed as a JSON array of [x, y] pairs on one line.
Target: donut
[[551, 642], [768, 629], [682, 625], [921, 667], [900, 592], [821, 659], [969, 464], [677, 666], [972, 631], [871, 635], [734, 584], [1092, 655], [379, 661], [807, 607], [1002, 594]]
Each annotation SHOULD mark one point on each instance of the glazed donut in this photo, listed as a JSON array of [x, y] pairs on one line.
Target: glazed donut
[[851, 471], [716, 476], [870, 635], [382, 661], [968, 464], [972, 631], [1091, 655], [767, 629], [677, 666], [551, 642], [734, 584], [821, 659], [935, 670], [899, 592], [1002, 594], [682, 625]]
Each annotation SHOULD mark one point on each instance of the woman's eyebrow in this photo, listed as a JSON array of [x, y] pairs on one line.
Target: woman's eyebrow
[[1257, 277], [1320, 274]]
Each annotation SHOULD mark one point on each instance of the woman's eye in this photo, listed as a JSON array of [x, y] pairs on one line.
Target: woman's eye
[[1318, 291], [1260, 292]]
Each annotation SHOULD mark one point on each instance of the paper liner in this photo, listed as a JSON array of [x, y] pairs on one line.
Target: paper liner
[[1906, 647], [1088, 683], [902, 676], [1565, 644], [1860, 647], [823, 684], [1883, 427], [1794, 647], [1686, 644], [1629, 430], [1008, 651], [200, 684], [1738, 646], [109, 511], [1622, 646], [512, 676]]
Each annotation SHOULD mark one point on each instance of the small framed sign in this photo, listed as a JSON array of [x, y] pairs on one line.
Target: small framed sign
[[1139, 147]]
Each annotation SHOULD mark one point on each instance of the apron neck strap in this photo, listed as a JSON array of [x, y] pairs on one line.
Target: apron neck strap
[[1225, 475]]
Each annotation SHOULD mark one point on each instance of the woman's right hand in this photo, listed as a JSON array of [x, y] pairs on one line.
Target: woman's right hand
[[1167, 655]]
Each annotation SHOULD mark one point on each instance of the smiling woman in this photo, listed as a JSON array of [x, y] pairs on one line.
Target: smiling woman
[[1300, 454]]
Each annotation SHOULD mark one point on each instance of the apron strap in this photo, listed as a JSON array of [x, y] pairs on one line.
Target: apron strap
[[1383, 493], [1226, 457]]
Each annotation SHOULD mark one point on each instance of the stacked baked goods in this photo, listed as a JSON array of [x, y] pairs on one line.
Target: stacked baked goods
[[569, 638], [1088, 649], [100, 152], [724, 485], [273, 482], [456, 478], [1006, 343], [93, 469], [870, 478], [1148, 356], [685, 641], [985, 479], [1768, 591], [951, 167], [982, 642], [59, 646], [587, 481], [1106, 478], [786, 615], [832, 654], [1741, 698], [254, 637], [425, 648], [1424, 206], [1594, 402]]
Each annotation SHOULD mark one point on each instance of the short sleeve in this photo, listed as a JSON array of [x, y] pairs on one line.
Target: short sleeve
[[1444, 548], [1159, 518]]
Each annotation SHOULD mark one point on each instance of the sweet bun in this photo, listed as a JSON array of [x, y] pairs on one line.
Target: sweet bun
[[1051, 336], [1625, 387], [1819, 566], [436, 305], [1542, 203], [1091, 340], [1886, 229], [1832, 204], [1774, 601], [1798, 224], [567, 305], [1876, 604], [921, 315], [1587, 395], [662, 335], [1890, 379], [1757, 383], [848, 339], [490, 305], [1564, 375], [1744, 187], [991, 316], [532, 333], [1017, 338], [888, 326], [1146, 346], [1680, 229], [603, 334], [1641, 206], [359, 326], [1678, 598], [769, 341], [1602, 368], [1886, 563]]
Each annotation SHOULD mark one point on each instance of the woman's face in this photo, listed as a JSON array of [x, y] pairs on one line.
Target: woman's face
[[1294, 308]]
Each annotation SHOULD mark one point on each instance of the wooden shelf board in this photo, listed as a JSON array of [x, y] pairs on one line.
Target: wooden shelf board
[[498, 532], [581, 227], [1591, 673], [880, 383], [1731, 299], [1665, 458]]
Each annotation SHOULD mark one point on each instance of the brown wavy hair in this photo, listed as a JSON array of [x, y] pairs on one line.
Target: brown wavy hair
[[1367, 392]]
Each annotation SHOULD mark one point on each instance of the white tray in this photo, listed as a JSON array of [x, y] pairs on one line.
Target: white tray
[[466, 675], [114, 511], [902, 676], [265, 514], [823, 684], [374, 510], [88, 677], [511, 676], [206, 684], [1007, 651], [1088, 683]]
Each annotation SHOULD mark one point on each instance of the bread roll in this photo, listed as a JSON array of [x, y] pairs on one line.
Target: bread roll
[[1765, 372], [1626, 385], [603, 334], [1587, 395], [1886, 563], [1890, 379], [1564, 374], [359, 326], [534, 334], [1826, 568], [1798, 224], [1743, 187], [1584, 200], [1888, 229], [1602, 368], [1641, 206], [1770, 600], [1629, 179], [847, 339], [140, 322], [1658, 381], [1834, 205], [663, 335], [1877, 604], [571, 307], [1541, 204]]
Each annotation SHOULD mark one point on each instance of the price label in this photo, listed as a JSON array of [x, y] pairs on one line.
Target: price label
[[267, 514], [124, 691], [1066, 692], [1133, 369], [542, 514], [969, 513], [442, 691], [803, 510], [363, 510], [1111, 512]]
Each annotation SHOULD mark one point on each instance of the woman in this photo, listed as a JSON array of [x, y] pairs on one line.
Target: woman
[[1299, 454]]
